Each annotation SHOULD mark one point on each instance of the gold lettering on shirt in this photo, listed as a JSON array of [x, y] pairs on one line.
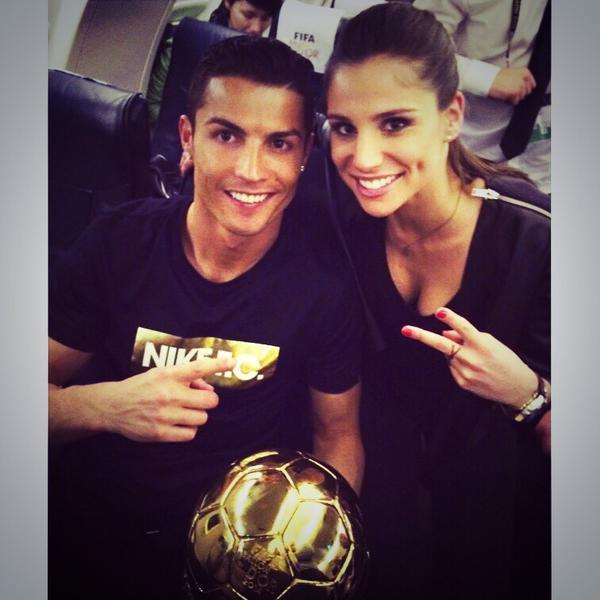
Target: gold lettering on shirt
[[254, 362]]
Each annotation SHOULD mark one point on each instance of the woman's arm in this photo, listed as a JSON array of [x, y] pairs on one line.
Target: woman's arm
[[483, 365], [478, 361]]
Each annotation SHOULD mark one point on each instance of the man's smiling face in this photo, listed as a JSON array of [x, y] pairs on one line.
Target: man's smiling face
[[247, 146]]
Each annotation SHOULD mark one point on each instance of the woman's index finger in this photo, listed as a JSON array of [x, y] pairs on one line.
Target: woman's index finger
[[461, 325]]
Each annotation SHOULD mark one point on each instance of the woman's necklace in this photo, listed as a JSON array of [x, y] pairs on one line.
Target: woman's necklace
[[405, 250]]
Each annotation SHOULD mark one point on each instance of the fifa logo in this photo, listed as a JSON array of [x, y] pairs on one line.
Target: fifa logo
[[304, 37], [305, 44]]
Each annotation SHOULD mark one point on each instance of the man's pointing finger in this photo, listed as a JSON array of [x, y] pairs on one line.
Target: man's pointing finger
[[202, 367]]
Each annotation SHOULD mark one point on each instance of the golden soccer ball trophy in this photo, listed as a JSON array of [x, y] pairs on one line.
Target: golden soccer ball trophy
[[279, 525]]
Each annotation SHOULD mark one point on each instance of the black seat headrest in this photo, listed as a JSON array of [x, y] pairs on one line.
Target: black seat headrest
[[97, 133], [191, 40], [98, 150]]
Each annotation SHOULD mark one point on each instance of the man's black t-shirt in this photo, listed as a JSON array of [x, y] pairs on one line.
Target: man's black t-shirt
[[127, 294]]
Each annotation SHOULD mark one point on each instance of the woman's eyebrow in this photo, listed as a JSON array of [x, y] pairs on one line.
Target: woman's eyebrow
[[395, 113], [382, 115]]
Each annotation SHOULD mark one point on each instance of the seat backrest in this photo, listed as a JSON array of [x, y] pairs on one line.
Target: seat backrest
[[98, 151], [309, 29], [191, 40]]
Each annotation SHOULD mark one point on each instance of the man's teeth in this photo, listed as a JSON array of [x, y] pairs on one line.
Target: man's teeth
[[248, 198], [375, 184]]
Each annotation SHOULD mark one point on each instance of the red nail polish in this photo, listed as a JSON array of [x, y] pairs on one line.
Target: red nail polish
[[441, 314], [406, 331]]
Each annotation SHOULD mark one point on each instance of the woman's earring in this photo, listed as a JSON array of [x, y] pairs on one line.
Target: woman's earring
[[301, 168], [451, 133]]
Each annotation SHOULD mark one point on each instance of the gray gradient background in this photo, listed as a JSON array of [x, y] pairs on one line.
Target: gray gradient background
[[23, 306]]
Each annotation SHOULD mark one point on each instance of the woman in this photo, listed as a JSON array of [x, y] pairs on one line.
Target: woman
[[456, 277]]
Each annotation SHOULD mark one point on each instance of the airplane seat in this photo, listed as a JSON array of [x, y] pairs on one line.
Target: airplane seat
[[322, 192], [310, 30], [98, 152], [310, 204], [190, 41]]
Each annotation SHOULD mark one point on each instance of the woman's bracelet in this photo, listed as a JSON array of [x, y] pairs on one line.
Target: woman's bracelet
[[536, 406]]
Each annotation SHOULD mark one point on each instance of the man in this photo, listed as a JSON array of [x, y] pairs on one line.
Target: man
[[252, 17], [227, 278]]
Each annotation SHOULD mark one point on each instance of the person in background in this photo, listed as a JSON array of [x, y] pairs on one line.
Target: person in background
[[494, 43], [252, 17], [248, 16], [452, 252]]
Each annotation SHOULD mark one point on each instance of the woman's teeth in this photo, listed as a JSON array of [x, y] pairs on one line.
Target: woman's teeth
[[248, 198], [375, 184]]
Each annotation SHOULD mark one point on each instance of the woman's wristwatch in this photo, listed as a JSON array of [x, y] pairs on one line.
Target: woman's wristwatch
[[536, 406]]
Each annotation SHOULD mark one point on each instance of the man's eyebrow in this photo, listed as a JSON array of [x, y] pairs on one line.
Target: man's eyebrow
[[224, 123], [237, 129], [286, 133]]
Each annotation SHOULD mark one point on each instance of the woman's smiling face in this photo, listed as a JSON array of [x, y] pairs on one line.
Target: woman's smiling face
[[389, 139]]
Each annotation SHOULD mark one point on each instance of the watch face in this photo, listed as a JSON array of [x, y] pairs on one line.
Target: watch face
[[536, 407], [535, 404]]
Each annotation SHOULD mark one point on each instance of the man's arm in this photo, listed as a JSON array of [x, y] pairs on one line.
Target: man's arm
[[68, 419], [336, 437], [510, 84], [164, 404]]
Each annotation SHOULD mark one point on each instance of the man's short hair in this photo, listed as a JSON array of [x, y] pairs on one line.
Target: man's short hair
[[269, 6], [221, 14], [264, 61]]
